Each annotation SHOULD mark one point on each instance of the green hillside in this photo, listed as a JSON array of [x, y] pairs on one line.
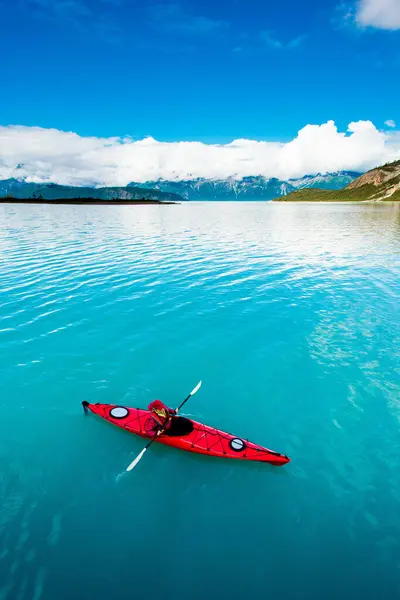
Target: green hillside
[[380, 184]]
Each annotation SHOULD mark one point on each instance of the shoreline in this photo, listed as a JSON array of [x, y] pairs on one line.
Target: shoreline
[[153, 202], [368, 201], [86, 201]]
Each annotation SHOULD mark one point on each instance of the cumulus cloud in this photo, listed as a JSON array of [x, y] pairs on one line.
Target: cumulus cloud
[[382, 14], [41, 155], [390, 123]]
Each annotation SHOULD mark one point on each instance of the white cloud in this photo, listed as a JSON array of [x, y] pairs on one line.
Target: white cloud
[[382, 14], [66, 158], [390, 123]]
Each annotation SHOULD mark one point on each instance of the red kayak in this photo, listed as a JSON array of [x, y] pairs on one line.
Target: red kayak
[[188, 435]]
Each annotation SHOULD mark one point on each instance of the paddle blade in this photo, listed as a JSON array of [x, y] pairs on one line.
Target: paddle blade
[[137, 459], [196, 389]]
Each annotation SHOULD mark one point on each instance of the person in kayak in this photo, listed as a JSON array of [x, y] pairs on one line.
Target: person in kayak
[[161, 417]]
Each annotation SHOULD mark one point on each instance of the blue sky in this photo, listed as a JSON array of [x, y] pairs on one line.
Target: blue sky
[[210, 71]]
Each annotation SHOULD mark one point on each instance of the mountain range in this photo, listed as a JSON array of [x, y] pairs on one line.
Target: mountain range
[[248, 188], [230, 189]]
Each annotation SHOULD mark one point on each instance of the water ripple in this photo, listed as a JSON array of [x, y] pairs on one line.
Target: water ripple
[[289, 314]]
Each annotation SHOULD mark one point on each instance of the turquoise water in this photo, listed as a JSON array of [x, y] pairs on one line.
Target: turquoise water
[[290, 316]]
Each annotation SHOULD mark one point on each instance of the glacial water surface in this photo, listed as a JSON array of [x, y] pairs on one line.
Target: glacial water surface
[[290, 314]]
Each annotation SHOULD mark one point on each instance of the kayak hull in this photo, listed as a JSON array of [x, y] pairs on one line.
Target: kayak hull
[[188, 435]]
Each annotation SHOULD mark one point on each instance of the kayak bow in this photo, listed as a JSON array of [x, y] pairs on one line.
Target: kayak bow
[[188, 435]]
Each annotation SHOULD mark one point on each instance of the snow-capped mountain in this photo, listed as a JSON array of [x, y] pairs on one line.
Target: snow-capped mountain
[[329, 181], [248, 188]]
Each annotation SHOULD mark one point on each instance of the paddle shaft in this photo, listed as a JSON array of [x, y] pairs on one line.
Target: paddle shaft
[[140, 456], [184, 402], [165, 426]]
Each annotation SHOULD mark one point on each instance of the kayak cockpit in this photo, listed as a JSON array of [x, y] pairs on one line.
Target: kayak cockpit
[[179, 427]]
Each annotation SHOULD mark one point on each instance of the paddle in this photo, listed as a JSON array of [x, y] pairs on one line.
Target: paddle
[[140, 456]]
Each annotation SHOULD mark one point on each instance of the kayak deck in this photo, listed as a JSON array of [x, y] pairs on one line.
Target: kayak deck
[[189, 435]]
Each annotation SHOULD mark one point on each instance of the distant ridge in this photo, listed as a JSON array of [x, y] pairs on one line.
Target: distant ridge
[[52, 191]]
